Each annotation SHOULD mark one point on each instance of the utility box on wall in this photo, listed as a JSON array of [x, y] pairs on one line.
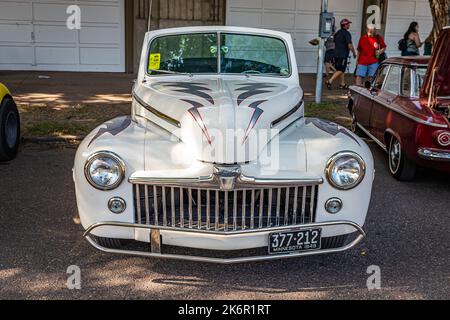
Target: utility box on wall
[[326, 24]]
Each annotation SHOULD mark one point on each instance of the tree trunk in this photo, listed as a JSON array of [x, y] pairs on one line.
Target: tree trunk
[[440, 10]]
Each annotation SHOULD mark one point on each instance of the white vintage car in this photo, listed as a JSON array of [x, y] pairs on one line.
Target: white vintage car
[[217, 162]]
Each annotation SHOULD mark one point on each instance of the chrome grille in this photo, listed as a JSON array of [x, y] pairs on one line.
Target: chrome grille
[[211, 209]]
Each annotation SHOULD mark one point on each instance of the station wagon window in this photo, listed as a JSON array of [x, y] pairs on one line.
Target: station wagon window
[[381, 76], [406, 82], [419, 75], [392, 83], [198, 53]]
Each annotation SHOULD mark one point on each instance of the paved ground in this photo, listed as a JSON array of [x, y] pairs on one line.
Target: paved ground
[[407, 229]]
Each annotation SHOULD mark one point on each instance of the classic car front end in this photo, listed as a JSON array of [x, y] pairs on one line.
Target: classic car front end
[[218, 157]]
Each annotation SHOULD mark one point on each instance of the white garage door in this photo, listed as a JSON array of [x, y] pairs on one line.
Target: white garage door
[[34, 36], [400, 14], [300, 18]]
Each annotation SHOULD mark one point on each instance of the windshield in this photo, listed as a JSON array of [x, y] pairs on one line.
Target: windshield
[[198, 54]]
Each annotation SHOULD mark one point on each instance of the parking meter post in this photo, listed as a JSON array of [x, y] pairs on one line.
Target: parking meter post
[[321, 56]]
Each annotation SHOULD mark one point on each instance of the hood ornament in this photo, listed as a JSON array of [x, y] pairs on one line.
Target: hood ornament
[[227, 176]]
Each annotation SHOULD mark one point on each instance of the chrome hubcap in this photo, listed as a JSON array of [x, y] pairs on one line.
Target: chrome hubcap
[[11, 129], [395, 154]]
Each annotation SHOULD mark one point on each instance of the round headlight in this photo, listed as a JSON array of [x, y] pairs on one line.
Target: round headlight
[[104, 170], [345, 170]]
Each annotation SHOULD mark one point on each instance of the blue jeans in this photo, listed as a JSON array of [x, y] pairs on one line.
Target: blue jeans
[[367, 71]]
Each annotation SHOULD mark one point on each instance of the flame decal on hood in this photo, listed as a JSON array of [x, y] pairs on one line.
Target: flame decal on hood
[[330, 127], [194, 88], [113, 127], [198, 117], [251, 90], [256, 114]]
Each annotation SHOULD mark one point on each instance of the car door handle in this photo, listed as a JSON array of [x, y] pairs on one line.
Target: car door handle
[[389, 101]]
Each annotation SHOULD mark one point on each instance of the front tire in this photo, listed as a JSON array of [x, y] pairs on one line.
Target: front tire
[[9, 130], [354, 127], [401, 168]]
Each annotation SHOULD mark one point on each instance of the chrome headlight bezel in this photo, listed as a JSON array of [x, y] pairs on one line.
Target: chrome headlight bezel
[[110, 155], [332, 162]]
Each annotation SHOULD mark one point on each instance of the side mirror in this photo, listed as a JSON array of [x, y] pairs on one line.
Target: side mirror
[[368, 85]]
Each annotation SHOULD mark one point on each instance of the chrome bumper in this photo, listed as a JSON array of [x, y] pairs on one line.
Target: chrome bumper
[[156, 243], [433, 155]]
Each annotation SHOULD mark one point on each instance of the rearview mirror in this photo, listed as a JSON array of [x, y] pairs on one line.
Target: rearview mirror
[[368, 85]]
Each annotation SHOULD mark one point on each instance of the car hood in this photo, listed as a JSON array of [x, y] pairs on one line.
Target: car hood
[[222, 120], [437, 79]]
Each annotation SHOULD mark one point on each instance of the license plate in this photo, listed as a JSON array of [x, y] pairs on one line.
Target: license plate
[[295, 241]]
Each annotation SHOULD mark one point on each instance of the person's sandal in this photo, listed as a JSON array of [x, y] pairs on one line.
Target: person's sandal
[[343, 87], [328, 84]]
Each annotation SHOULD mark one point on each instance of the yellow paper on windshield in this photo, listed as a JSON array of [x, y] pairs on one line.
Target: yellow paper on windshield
[[155, 61]]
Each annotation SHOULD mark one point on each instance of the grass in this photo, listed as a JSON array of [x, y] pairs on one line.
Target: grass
[[336, 112], [49, 128]]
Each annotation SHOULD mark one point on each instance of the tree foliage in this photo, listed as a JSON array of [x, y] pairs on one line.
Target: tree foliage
[[440, 9]]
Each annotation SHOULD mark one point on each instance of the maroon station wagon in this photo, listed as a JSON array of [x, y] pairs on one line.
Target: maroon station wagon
[[406, 110]]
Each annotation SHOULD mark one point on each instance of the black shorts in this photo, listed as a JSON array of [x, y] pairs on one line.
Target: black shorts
[[340, 64], [329, 56]]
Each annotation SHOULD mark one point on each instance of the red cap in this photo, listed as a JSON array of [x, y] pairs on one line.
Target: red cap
[[345, 22]]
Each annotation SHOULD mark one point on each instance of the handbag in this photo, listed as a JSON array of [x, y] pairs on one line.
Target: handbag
[[382, 56]]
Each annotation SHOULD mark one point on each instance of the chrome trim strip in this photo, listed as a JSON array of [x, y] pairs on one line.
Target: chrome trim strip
[[90, 239], [372, 137], [160, 115], [211, 182], [287, 114], [433, 155], [418, 120]]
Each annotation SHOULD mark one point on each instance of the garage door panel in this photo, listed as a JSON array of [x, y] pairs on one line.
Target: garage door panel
[[16, 11], [99, 56], [252, 19], [307, 22], [15, 33], [253, 4], [100, 14], [50, 12], [308, 5], [54, 34], [21, 54], [97, 46], [100, 35], [56, 55], [278, 20], [279, 5]]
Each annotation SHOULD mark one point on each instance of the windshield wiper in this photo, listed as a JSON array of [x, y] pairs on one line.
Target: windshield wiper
[[172, 72]]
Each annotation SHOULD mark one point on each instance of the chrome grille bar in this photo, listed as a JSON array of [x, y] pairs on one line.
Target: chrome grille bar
[[224, 211]]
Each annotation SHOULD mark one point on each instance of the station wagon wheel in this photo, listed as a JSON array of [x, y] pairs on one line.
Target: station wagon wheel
[[354, 126], [9, 130], [401, 168]]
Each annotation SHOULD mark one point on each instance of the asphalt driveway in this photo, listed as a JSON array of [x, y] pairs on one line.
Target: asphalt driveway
[[408, 238]]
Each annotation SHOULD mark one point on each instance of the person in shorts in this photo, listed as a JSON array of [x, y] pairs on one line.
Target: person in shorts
[[343, 46], [329, 56], [370, 47]]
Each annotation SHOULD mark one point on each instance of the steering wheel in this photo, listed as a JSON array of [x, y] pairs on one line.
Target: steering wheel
[[251, 72]]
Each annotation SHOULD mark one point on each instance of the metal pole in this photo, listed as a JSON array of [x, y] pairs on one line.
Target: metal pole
[[320, 60]]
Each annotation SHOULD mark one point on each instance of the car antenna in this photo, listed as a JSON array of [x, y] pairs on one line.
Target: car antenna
[[150, 15]]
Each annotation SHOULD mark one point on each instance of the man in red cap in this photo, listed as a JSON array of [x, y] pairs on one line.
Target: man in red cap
[[343, 42]]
